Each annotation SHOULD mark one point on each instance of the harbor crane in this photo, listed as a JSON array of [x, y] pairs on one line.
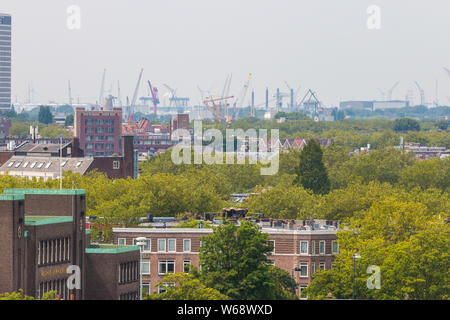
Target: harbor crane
[[102, 89], [238, 103], [389, 95], [422, 94], [136, 91], [215, 108], [154, 93], [447, 70]]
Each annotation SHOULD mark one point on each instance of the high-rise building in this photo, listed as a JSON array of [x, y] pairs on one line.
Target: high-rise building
[[5, 61]]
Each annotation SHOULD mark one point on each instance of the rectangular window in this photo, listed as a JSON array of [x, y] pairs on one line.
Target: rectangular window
[[166, 266], [303, 247], [122, 241], [313, 247], [313, 268], [186, 266], [161, 245], [187, 245], [335, 247], [172, 245], [145, 267], [322, 266], [271, 243], [322, 247], [303, 269], [145, 287]]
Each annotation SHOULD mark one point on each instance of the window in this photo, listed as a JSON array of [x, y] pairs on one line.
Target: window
[[145, 287], [18, 164], [303, 247], [271, 243], [40, 165], [334, 247], [33, 164], [313, 247], [116, 165], [78, 164], [303, 269], [187, 245], [166, 266], [302, 292], [271, 262], [48, 165], [146, 247], [313, 268], [11, 164], [63, 163], [89, 146], [172, 245], [186, 266], [322, 247], [145, 266], [122, 241], [322, 266], [161, 245]]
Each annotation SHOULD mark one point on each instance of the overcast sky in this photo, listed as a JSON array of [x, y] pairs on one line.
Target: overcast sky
[[324, 45]]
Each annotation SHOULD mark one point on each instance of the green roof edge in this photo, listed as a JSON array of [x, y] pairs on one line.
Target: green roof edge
[[45, 191], [49, 220], [112, 250]]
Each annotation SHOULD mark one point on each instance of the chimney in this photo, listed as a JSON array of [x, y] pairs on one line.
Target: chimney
[[128, 155]]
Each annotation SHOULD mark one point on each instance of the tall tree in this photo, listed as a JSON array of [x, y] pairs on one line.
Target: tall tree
[[311, 172], [235, 262], [45, 115]]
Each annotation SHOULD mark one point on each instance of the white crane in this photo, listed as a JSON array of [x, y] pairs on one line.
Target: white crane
[[389, 95], [136, 91], [102, 89], [422, 94]]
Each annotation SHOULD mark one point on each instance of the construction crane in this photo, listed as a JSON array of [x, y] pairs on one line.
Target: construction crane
[[422, 94], [70, 94], [215, 108], [102, 89], [173, 93], [240, 99], [154, 93], [448, 71], [389, 95], [119, 98], [136, 91]]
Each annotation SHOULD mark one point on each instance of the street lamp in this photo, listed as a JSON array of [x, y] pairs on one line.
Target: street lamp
[[141, 242], [355, 256]]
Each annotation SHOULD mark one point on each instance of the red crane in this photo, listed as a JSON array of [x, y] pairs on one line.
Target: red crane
[[154, 92]]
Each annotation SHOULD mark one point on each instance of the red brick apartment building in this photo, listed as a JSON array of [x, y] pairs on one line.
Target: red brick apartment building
[[99, 131], [174, 249], [42, 233]]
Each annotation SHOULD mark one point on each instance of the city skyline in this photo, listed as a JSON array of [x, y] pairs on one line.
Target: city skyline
[[324, 46]]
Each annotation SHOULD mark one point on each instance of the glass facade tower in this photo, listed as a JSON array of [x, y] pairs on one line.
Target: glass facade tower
[[5, 61]]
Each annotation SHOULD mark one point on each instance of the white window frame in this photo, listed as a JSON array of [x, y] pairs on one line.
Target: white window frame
[[186, 262], [303, 264], [273, 251], [166, 262], [146, 261], [165, 245], [174, 247], [324, 247], [334, 242], [146, 285], [307, 247], [121, 244], [190, 245]]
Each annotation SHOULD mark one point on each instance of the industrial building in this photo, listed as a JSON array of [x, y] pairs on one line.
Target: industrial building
[[5, 61], [43, 239], [374, 105]]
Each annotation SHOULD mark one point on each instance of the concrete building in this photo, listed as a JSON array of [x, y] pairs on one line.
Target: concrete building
[[170, 250], [99, 131], [42, 234], [5, 61]]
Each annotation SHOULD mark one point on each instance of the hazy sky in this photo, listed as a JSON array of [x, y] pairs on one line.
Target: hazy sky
[[320, 44]]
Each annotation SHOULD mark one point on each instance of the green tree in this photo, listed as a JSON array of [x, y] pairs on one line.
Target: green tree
[[69, 120], [235, 262], [442, 124], [311, 172], [406, 124], [45, 115], [182, 286]]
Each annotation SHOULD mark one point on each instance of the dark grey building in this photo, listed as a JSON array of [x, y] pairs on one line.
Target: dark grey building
[[5, 61]]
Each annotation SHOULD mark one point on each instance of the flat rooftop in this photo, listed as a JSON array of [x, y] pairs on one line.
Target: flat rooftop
[[111, 249], [45, 220], [44, 191]]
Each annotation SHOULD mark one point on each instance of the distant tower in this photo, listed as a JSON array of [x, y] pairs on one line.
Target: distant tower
[[5, 62], [252, 110], [267, 98]]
